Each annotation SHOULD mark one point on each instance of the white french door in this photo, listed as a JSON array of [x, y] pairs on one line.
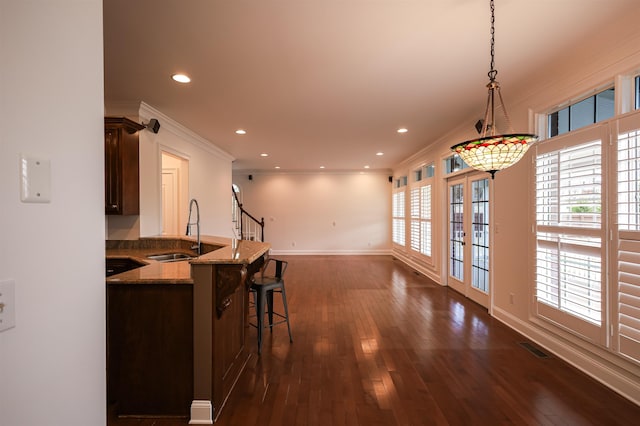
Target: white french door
[[468, 237]]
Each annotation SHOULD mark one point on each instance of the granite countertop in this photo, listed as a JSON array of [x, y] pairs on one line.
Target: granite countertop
[[217, 250]]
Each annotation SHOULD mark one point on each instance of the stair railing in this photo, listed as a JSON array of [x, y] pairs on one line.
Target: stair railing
[[249, 227]]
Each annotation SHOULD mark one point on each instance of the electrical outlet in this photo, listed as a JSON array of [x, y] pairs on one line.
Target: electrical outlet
[[7, 305], [511, 298]]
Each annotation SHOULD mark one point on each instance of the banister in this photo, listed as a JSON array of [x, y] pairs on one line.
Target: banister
[[243, 213]]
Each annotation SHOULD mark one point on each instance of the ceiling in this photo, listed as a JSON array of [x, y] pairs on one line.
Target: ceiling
[[328, 82]]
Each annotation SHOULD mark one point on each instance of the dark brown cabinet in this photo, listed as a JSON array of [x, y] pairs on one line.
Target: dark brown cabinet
[[121, 166], [220, 309], [150, 349], [170, 344]]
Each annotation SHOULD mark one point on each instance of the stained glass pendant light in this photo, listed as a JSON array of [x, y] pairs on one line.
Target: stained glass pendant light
[[492, 152]]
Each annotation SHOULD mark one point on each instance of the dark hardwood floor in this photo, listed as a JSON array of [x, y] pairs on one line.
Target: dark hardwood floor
[[377, 344]]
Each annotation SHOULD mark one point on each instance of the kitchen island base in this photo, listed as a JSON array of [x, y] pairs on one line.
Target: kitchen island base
[[175, 348]]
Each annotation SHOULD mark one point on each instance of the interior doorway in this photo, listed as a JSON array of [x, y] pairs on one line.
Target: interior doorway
[[175, 193]]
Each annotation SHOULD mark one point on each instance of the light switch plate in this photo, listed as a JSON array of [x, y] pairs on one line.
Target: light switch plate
[[7, 304], [35, 180]]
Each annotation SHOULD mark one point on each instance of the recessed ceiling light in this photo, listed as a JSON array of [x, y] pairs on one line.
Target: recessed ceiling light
[[379, 154], [322, 167], [241, 132], [181, 78], [366, 167], [276, 167], [402, 130], [264, 154]]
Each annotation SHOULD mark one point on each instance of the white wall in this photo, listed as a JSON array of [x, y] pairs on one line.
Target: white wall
[[321, 213], [209, 180], [52, 364]]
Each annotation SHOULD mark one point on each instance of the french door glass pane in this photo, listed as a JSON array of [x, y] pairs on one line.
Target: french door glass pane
[[456, 231], [480, 236]]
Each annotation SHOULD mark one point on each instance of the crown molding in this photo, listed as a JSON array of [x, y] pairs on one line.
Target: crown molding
[[148, 112], [258, 172]]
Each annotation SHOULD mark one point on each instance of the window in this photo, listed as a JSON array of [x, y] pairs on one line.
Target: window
[[429, 170], [580, 114], [587, 273], [398, 231], [420, 205], [569, 255], [421, 219], [400, 182], [424, 172], [454, 164]]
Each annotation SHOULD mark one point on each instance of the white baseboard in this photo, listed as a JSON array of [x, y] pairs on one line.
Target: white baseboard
[[604, 371], [424, 270], [201, 412], [385, 252]]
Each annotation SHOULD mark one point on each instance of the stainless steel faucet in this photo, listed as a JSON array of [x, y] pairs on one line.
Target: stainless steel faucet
[[196, 223]]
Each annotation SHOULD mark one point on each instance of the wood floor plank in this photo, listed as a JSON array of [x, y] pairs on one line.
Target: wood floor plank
[[377, 344]]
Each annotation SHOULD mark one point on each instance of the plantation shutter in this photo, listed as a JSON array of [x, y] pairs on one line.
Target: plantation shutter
[[398, 218], [569, 249], [415, 219], [425, 231], [628, 236]]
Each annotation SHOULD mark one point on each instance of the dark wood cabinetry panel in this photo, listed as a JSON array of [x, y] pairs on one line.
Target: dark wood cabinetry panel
[[170, 344], [150, 349], [220, 318], [121, 166], [230, 353]]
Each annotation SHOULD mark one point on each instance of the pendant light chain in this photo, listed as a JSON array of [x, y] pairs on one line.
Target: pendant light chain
[[491, 151], [493, 72]]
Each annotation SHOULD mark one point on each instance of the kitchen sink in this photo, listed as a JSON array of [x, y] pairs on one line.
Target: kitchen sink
[[123, 264], [169, 257]]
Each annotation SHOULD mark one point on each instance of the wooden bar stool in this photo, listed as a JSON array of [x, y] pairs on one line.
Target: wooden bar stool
[[264, 284]]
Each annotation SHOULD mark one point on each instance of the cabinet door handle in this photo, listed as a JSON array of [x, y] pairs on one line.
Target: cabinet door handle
[[226, 303]]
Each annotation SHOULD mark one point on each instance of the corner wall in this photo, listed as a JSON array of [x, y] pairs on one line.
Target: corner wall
[[52, 364]]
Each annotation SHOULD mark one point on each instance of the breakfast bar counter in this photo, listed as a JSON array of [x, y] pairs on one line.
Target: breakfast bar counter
[[216, 250], [176, 327]]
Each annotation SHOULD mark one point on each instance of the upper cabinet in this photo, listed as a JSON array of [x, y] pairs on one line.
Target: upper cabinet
[[121, 166]]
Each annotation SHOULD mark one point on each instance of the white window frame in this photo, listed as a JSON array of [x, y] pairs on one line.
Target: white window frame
[[567, 241], [619, 332]]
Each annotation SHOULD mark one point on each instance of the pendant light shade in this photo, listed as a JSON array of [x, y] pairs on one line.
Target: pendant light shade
[[492, 152]]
